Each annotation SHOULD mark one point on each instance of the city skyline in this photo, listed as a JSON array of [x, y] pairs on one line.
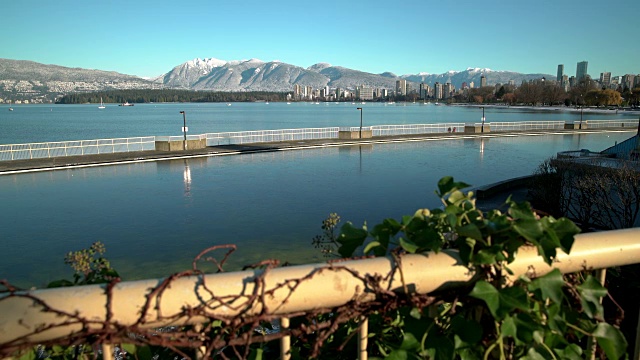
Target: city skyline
[[149, 38]]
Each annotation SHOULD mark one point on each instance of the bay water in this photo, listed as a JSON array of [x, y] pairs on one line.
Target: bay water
[[155, 217], [43, 123]]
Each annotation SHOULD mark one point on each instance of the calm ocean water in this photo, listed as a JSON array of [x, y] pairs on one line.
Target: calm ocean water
[[42, 123], [155, 217]]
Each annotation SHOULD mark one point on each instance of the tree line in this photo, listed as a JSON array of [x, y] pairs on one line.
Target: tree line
[[169, 95], [535, 93]]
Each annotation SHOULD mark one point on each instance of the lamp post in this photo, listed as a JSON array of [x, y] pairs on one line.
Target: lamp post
[[360, 121], [580, 126], [184, 129], [581, 107], [482, 127]]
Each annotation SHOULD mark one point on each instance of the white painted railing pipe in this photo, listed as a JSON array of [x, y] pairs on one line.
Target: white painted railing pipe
[[323, 286]]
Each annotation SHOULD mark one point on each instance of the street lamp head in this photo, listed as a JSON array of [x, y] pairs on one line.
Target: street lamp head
[[181, 112], [358, 108]]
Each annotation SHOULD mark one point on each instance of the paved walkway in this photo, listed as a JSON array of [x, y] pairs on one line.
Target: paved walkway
[[55, 163]]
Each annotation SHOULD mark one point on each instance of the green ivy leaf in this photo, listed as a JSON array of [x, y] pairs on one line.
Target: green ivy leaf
[[485, 257], [129, 348], [29, 355], [557, 318], [144, 353], [530, 229], [513, 298], [465, 248], [571, 352], [383, 233], [611, 340], [500, 302], [409, 342], [445, 185], [409, 246], [533, 354], [521, 211], [565, 230], [398, 354], [426, 238], [549, 286], [374, 245], [489, 294], [469, 332], [59, 283], [350, 239], [439, 347], [456, 197], [471, 231], [591, 292], [256, 354], [520, 327]]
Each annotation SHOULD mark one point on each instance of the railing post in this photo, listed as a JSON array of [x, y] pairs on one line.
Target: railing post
[[592, 344], [636, 353], [363, 335], [285, 341], [107, 352], [202, 349]]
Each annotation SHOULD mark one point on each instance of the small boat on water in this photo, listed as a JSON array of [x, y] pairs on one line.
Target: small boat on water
[[10, 109], [126, 104], [101, 104]]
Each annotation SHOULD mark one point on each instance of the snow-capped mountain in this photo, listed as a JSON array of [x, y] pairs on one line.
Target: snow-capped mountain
[[236, 75], [457, 78], [257, 75]]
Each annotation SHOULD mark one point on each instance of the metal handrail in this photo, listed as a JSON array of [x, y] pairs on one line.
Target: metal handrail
[[100, 146]]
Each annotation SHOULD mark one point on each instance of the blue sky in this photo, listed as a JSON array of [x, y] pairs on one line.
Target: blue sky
[[148, 38]]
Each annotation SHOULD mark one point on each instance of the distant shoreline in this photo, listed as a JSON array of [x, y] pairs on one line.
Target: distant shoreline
[[590, 110], [568, 109]]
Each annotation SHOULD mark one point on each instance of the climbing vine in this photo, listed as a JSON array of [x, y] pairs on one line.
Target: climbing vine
[[493, 316]]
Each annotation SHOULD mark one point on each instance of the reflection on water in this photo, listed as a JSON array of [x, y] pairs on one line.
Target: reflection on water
[[187, 179], [155, 217]]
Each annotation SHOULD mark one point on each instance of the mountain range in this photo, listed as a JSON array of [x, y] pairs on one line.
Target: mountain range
[[255, 75], [20, 78]]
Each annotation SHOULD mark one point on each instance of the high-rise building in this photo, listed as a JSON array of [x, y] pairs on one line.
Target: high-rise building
[[628, 81], [605, 79], [364, 93], [581, 70], [438, 91], [401, 87], [297, 91], [483, 81], [424, 91], [448, 90], [560, 73]]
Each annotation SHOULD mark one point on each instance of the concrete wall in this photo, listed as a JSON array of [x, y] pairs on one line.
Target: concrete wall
[[366, 134], [477, 129], [179, 145], [575, 126]]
